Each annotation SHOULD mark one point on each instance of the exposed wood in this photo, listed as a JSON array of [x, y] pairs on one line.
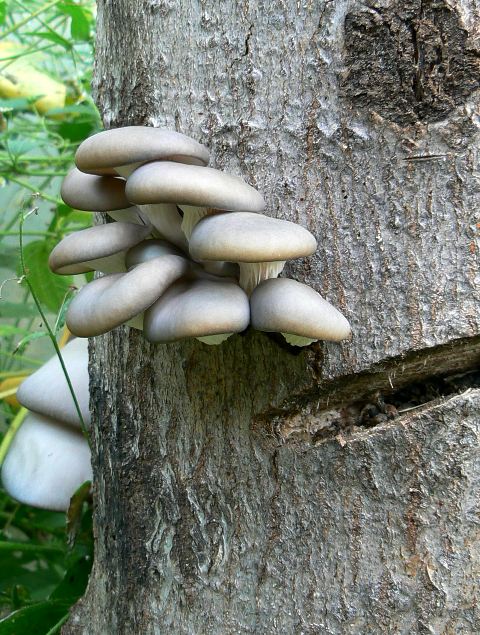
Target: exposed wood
[[358, 121]]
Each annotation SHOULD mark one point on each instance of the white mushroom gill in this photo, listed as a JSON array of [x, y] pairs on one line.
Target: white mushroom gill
[[167, 221], [126, 170], [252, 273], [297, 340], [191, 216], [214, 340]]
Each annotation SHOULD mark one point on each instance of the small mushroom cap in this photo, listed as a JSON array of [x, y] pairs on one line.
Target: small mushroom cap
[[107, 302], [149, 249], [46, 391], [89, 192], [46, 463], [76, 252], [104, 151], [287, 306], [168, 182], [246, 237], [196, 308]]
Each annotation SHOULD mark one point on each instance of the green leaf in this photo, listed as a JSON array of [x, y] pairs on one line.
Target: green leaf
[[49, 288], [17, 310], [20, 347], [8, 329], [16, 103], [3, 11], [75, 511], [74, 583], [81, 20], [38, 618], [20, 146], [52, 37]]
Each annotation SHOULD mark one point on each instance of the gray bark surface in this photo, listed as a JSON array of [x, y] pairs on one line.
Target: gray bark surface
[[242, 488]]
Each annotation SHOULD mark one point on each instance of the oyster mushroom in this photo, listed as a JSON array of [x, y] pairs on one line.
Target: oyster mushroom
[[46, 463], [203, 307], [122, 150], [296, 311], [90, 193], [108, 302], [100, 248], [259, 244], [46, 391], [198, 191]]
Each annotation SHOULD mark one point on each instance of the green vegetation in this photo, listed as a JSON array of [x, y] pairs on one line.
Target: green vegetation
[[46, 60]]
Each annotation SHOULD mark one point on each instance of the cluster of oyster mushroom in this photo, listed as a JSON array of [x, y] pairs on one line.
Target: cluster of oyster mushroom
[[190, 253], [49, 458]]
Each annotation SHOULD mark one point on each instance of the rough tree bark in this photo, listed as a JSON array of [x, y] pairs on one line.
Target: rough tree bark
[[250, 487]]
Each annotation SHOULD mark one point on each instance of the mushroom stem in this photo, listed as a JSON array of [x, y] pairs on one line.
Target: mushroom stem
[[128, 215], [167, 221], [297, 340], [252, 273], [214, 340]]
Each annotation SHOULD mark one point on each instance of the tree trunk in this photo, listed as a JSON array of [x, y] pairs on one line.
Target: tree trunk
[[257, 488]]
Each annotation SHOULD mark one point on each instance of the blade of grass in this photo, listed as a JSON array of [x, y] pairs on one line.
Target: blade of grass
[[35, 190], [11, 432], [29, 546]]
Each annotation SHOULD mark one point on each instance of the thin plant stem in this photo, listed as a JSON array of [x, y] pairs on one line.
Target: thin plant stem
[[49, 330], [11, 432], [32, 188], [29, 546]]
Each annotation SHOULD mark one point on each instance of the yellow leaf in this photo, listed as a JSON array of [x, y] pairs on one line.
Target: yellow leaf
[[19, 78], [8, 388]]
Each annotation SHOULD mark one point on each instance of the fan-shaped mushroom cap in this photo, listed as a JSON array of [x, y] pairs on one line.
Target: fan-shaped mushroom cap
[[107, 302], [149, 249], [93, 193], [46, 463], [89, 192], [121, 150], [100, 248], [250, 240], [46, 391], [297, 311], [195, 189], [198, 308]]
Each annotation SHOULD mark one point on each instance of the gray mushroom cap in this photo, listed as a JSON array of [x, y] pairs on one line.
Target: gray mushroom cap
[[250, 240], [100, 248], [289, 307], [46, 463], [196, 190], [168, 182], [197, 308], [46, 391], [89, 192], [109, 151], [149, 249], [108, 302]]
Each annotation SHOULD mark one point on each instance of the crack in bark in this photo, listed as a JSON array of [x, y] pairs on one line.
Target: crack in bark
[[446, 372]]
